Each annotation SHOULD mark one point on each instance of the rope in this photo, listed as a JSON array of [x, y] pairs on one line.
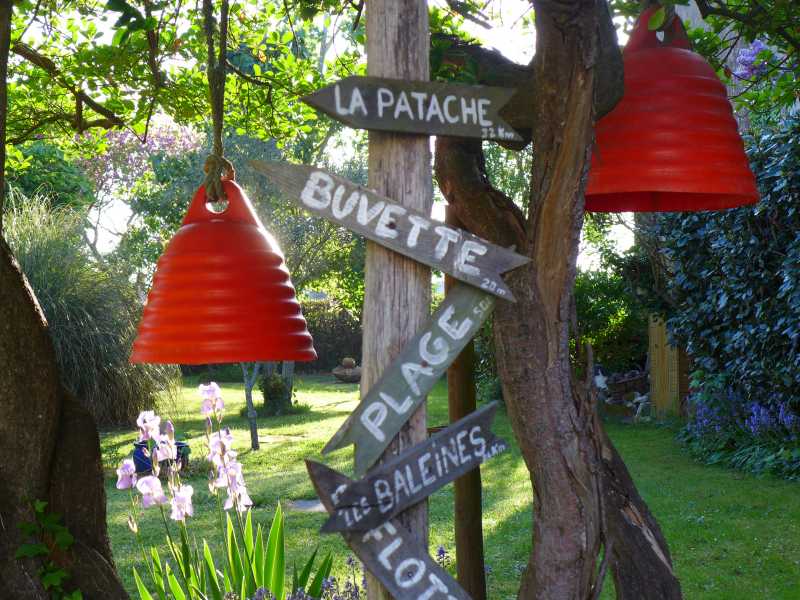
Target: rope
[[217, 167]]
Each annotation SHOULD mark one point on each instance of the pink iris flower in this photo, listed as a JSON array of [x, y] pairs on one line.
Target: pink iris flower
[[166, 449], [126, 475], [212, 400], [182, 503], [148, 423], [152, 493]]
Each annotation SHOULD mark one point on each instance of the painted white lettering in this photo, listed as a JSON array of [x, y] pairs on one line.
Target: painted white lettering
[[434, 110], [438, 462], [383, 557], [461, 447], [447, 236], [450, 454], [385, 98], [405, 577], [383, 492], [400, 409], [317, 191], [437, 585], [403, 106], [466, 256], [483, 106], [357, 103], [337, 96], [388, 215], [375, 534], [477, 440], [420, 98], [422, 463], [399, 485], [373, 417], [451, 118], [469, 110], [367, 213], [418, 223], [412, 485], [411, 372], [455, 330], [441, 347], [340, 212], [338, 494]]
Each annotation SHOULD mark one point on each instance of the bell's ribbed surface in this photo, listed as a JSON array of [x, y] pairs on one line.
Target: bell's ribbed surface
[[221, 293], [671, 144]]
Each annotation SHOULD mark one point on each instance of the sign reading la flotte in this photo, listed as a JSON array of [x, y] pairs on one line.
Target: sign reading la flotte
[[393, 486], [430, 108], [459, 253], [390, 551]]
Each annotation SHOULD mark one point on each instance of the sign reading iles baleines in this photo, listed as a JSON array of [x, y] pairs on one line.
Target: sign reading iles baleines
[[457, 252], [429, 108], [394, 486]]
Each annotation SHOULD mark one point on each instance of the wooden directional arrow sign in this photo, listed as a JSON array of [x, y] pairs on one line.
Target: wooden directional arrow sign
[[429, 108], [457, 252], [390, 551], [405, 383], [392, 487]]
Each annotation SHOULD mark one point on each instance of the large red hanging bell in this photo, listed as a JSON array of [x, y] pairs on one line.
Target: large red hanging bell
[[221, 293], [671, 144]]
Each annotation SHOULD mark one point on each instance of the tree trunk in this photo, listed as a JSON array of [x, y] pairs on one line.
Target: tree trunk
[[584, 499], [397, 289], [287, 373], [49, 450], [250, 378]]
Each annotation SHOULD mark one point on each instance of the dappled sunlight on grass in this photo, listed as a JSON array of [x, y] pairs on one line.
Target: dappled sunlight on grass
[[732, 536]]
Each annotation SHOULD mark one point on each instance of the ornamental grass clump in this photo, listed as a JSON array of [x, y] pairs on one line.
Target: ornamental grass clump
[[254, 562]]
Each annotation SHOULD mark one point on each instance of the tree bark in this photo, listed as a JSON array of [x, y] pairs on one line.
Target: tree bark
[[49, 450], [397, 289], [584, 499], [250, 377]]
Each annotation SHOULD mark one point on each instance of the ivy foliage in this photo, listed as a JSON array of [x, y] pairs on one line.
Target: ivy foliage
[[735, 281]]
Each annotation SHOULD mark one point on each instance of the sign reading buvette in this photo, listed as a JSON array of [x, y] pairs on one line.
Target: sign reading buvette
[[431, 108]]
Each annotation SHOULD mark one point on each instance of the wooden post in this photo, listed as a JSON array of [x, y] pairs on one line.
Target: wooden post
[[461, 401], [397, 294]]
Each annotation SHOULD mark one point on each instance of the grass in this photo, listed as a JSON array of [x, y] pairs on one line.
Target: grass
[[732, 536]]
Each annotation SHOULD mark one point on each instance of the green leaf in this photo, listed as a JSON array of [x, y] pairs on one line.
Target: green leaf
[[143, 593], [302, 581], [212, 582], [248, 533], [174, 586], [31, 550], [234, 555], [53, 578], [315, 589], [258, 553], [275, 564], [657, 19]]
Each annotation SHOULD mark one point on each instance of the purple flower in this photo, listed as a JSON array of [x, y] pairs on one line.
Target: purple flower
[[748, 63], [126, 475], [148, 423], [220, 446], [166, 449], [152, 493], [182, 503], [238, 498]]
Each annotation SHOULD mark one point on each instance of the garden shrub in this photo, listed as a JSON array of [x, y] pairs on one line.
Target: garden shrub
[[735, 288], [92, 313], [275, 392], [336, 332]]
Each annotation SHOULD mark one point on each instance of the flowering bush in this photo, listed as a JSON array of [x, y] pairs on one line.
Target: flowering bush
[[255, 562], [726, 428]]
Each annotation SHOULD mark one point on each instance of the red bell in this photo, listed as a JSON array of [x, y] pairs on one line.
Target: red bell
[[221, 293], [672, 142]]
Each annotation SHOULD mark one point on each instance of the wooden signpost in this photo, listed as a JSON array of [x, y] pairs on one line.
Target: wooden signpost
[[429, 108], [389, 551], [457, 252], [368, 512], [409, 378], [393, 486]]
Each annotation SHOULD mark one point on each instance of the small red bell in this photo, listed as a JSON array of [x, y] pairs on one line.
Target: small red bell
[[221, 293], [671, 144]]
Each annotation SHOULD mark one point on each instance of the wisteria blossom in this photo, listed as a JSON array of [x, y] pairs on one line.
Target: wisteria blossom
[[182, 503], [152, 493], [748, 63], [126, 475], [148, 423]]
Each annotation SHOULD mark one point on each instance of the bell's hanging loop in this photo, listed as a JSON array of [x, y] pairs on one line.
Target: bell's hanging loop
[[642, 37]]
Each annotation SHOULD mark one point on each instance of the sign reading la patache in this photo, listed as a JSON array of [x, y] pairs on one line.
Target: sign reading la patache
[[457, 252], [429, 108]]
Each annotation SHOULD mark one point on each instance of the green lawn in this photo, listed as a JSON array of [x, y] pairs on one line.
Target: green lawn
[[732, 536]]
